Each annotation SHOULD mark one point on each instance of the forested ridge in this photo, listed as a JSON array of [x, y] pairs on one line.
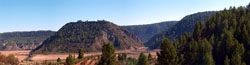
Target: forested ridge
[[23, 40], [223, 40], [187, 24], [89, 35], [145, 32]]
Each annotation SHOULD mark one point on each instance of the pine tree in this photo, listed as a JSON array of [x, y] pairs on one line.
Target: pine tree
[[108, 56], [227, 61], [131, 61], [168, 53], [191, 54], [236, 59], [122, 58], [70, 60], [199, 27], [119, 57], [238, 54], [143, 60], [59, 60], [205, 51], [207, 59], [150, 57], [225, 47], [80, 53]]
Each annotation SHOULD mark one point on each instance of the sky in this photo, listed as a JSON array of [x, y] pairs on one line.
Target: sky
[[33, 15]]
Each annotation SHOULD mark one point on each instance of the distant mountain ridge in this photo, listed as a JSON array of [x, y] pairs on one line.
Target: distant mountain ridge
[[90, 35], [184, 25], [145, 32], [23, 40]]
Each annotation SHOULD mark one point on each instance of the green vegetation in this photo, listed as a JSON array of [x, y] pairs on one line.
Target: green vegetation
[[23, 40], [80, 53], [89, 35], [187, 24], [108, 56], [10, 59], [122, 58], [142, 60], [150, 58], [168, 54], [70, 60], [131, 61], [59, 60], [223, 40], [145, 32]]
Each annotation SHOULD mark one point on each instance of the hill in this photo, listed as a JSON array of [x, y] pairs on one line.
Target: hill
[[90, 35], [223, 39], [184, 25], [23, 40], [145, 32]]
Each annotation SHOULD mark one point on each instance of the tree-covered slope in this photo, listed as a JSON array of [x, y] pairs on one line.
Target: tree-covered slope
[[90, 35], [184, 25], [145, 32], [223, 40], [23, 40]]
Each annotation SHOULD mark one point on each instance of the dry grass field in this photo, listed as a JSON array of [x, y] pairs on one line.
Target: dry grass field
[[21, 55], [53, 57]]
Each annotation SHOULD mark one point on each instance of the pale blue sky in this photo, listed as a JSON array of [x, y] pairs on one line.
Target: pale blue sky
[[31, 15]]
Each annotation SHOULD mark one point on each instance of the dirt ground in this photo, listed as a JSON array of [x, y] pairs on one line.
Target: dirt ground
[[51, 57], [21, 55]]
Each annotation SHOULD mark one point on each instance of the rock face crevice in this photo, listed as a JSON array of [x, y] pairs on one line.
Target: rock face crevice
[[90, 35]]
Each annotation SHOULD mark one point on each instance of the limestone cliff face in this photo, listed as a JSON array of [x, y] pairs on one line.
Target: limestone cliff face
[[90, 36]]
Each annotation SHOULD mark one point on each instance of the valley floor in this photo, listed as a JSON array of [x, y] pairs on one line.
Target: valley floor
[[23, 54]]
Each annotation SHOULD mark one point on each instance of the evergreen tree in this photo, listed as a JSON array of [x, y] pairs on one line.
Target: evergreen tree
[[168, 53], [143, 60], [207, 59], [131, 61], [119, 57], [227, 61], [150, 58], [122, 58], [206, 52], [199, 27], [80, 53], [225, 47], [59, 60], [108, 56], [70, 60], [238, 54], [191, 54], [236, 59]]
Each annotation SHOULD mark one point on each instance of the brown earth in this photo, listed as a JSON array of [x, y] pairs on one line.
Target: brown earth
[[51, 57], [21, 55]]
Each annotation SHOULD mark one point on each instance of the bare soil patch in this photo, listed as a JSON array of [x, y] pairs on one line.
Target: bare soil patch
[[53, 57], [21, 55]]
